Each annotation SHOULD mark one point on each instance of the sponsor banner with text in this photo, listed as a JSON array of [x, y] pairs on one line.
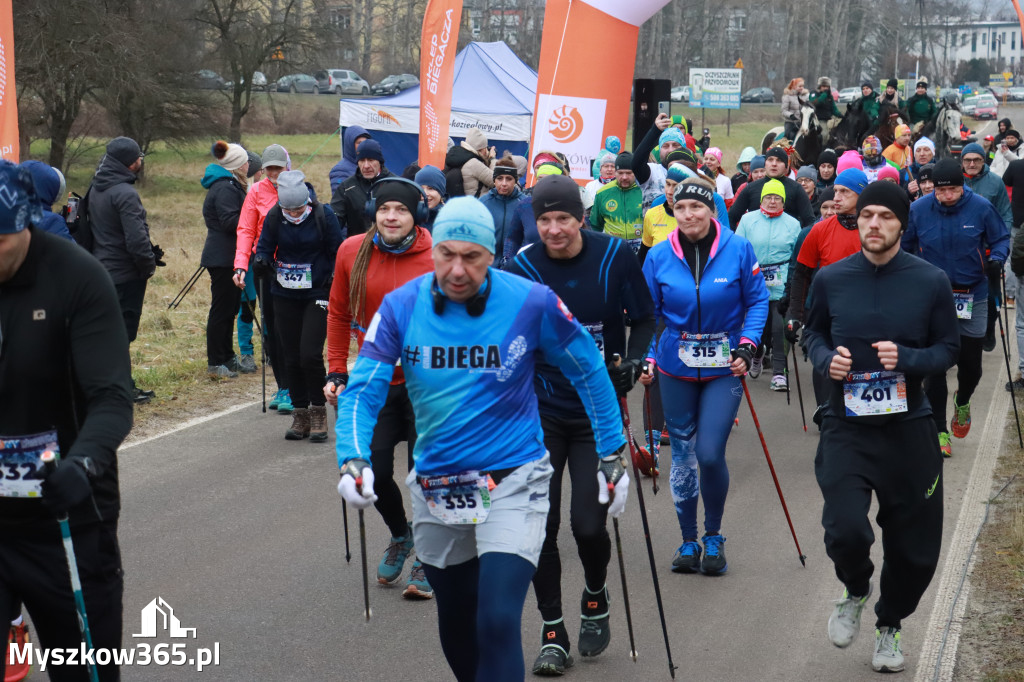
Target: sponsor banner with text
[[437, 48], [716, 88], [407, 120], [8, 96]]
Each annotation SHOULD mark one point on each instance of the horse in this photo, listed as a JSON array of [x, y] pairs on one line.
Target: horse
[[848, 133], [890, 116], [947, 129], [808, 143], [769, 138]]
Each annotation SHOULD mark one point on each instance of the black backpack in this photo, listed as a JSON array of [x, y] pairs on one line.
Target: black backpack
[[76, 215]]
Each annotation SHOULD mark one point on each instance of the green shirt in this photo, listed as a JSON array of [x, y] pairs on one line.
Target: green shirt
[[619, 212]]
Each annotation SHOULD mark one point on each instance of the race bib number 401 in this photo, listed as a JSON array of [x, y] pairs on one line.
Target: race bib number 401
[[870, 393], [704, 350], [458, 498], [21, 463]]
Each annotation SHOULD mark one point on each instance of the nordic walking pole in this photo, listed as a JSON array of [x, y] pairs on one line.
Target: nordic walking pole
[[650, 436], [1009, 377], [344, 516], [362, 549], [625, 590], [799, 392], [787, 373], [187, 288], [50, 462], [771, 467], [263, 346]]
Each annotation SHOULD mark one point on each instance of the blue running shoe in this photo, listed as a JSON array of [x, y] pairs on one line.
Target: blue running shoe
[[687, 559], [276, 399], [284, 403], [418, 587], [713, 562], [389, 571]]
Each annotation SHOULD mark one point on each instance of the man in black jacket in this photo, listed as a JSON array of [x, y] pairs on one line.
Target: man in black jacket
[[776, 165], [349, 201], [880, 321], [120, 233], [65, 382]]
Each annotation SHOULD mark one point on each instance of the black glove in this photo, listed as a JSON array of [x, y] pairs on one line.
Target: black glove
[[339, 379], [66, 485], [993, 268], [745, 351], [782, 306], [792, 330], [261, 267], [158, 254], [624, 375], [613, 466]]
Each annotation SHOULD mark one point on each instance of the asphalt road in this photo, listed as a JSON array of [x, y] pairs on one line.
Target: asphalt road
[[241, 532]]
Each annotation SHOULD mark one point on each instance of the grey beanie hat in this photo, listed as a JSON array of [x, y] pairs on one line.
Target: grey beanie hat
[[255, 164], [124, 149], [807, 172], [291, 189]]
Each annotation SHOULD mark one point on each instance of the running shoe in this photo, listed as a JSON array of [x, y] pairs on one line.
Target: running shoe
[[756, 365], [220, 372], [989, 344], [554, 658], [595, 633], [389, 570], [417, 587], [888, 656], [713, 562], [278, 397], [1015, 385], [779, 383], [945, 444], [17, 670], [961, 424], [687, 558], [665, 440], [284, 403], [844, 623]]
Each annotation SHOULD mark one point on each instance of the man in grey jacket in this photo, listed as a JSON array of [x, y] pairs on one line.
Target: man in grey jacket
[[120, 233]]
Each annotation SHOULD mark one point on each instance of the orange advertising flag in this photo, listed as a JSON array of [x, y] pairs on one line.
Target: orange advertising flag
[[8, 95], [437, 59]]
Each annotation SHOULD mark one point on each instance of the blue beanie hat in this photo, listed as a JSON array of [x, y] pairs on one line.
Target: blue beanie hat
[[612, 144], [973, 148], [370, 149], [757, 163], [432, 177], [853, 179], [672, 135], [20, 208], [464, 219], [677, 172], [46, 180]]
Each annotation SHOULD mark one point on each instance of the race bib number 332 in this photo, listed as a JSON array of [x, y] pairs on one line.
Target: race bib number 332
[[21, 463]]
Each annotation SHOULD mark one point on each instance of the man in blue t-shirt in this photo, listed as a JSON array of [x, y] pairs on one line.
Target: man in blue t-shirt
[[597, 276], [467, 337]]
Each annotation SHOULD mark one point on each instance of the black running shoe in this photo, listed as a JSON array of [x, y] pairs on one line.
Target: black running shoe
[[989, 344], [553, 661], [1015, 385], [595, 631], [687, 558], [713, 562]]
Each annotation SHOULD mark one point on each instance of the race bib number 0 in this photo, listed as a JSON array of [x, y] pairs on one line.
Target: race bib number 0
[[964, 304], [597, 331], [295, 276], [869, 393], [21, 463], [704, 350], [772, 275], [457, 498]]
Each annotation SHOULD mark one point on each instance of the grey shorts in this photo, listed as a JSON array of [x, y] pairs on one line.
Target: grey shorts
[[515, 524], [975, 327]]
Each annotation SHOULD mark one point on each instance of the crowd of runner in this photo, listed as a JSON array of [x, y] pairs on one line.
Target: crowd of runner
[[497, 329]]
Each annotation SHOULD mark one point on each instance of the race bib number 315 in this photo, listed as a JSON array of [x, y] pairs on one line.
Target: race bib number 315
[[704, 350], [21, 463], [870, 393]]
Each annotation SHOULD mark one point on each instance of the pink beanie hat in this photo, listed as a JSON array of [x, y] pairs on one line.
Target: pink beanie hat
[[890, 173], [849, 159], [716, 152]]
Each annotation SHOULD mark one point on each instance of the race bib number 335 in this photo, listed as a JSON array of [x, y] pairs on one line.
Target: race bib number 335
[[457, 498]]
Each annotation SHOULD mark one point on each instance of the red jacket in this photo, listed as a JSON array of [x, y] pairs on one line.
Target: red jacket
[[258, 201], [385, 273]]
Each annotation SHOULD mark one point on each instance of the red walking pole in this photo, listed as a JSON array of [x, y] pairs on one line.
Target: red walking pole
[[771, 467]]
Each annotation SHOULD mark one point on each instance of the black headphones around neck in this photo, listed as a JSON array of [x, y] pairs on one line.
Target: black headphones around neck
[[475, 306], [422, 213]]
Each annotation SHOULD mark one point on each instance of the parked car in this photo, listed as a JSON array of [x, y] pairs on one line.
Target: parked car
[[341, 81], [680, 93], [259, 82], [392, 85], [982, 106], [209, 80], [758, 95], [1016, 94], [847, 95], [298, 82]]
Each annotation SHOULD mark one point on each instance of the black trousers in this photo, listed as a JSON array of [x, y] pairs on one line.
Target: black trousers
[[271, 338], [968, 376], [901, 463], [225, 298], [571, 441], [34, 571], [395, 423], [302, 330], [131, 295]]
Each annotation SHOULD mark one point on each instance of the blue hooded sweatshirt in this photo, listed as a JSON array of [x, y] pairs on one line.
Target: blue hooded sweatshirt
[[47, 184], [346, 168]]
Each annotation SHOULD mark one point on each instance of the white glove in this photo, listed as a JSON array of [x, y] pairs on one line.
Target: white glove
[[619, 494], [359, 497]]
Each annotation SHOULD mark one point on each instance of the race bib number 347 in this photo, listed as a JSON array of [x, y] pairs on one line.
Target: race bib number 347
[[21, 463], [869, 393]]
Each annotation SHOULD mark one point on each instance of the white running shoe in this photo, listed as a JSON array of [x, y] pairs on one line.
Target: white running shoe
[[756, 364], [779, 383], [888, 656], [844, 623]]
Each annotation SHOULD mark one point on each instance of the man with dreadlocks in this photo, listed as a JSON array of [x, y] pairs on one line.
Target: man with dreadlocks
[[393, 251]]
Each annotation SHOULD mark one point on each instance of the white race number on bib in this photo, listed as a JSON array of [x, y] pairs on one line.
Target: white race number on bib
[[21, 463], [772, 275], [869, 393], [597, 331], [704, 350], [964, 304], [295, 275], [458, 498]]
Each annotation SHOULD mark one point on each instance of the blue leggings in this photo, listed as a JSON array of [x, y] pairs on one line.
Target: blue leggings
[[707, 408], [481, 638]]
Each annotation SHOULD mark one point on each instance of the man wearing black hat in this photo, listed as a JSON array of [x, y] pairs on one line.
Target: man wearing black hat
[[597, 278], [920, 106], [618, 206], [349, 200], [953, 228], [120, 233], [880, 322], [776, 165]]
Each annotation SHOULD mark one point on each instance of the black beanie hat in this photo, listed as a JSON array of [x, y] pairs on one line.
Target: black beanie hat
[[624, 161], [680, 156], [828, 156], [1011, 131], [893, 83], [394, 190], [947, 173], [558, 193], [778, 153], [887, 194], [926, 173], [827, 194]]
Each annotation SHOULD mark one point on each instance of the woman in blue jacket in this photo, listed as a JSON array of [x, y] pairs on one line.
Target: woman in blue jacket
[[299, 241], [709, 292]]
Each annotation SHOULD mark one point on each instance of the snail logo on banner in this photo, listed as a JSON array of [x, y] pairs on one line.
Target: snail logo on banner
[[573, 126]]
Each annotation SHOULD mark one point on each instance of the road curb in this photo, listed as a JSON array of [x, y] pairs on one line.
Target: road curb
[[939, 649], [189, 424]]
